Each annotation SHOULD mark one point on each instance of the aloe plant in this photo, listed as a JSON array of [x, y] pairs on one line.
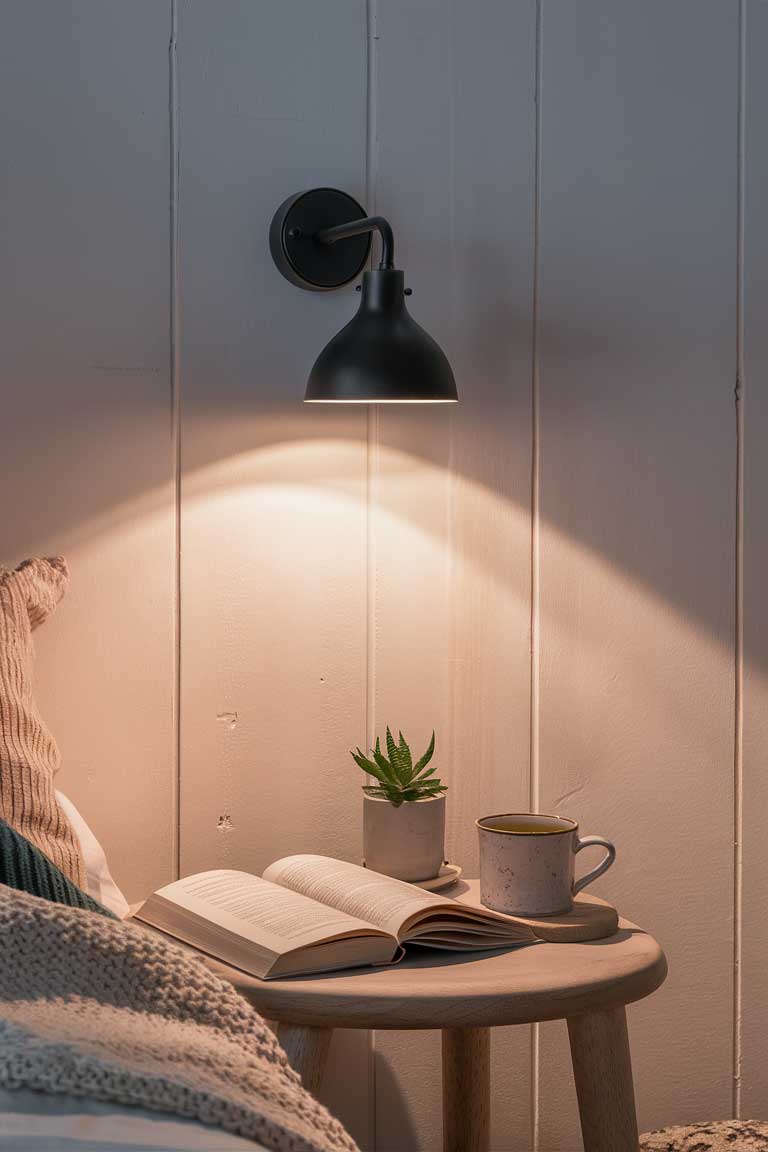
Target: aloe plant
[[399, 780]]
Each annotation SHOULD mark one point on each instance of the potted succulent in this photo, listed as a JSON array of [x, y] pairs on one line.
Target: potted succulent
[[403, 811]]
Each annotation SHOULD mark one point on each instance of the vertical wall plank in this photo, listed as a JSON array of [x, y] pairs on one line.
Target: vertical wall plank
[[454, 120], [273, 536], [638, 268], [85, 459], [754, 1067], [411, 483]]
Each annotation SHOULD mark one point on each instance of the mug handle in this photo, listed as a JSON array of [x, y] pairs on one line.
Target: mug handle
[[603, 866]]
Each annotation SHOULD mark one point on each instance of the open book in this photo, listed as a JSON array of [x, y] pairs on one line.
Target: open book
[[314, 914]]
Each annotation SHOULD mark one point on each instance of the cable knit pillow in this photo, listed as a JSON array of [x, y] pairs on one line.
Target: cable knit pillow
[[29, 758]]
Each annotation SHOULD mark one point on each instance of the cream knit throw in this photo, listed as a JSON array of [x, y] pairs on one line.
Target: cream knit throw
[[29, 758], [95, 1007]]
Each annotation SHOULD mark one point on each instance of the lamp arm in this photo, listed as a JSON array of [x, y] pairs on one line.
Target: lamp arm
[[358, 228]]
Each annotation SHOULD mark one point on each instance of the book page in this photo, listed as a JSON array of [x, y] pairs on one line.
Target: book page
[[256, 910], [378, 899]]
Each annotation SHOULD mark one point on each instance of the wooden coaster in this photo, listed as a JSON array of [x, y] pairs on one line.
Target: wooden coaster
[[590, 919]]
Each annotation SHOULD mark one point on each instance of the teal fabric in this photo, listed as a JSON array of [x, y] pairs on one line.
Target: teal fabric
[[25, 867]]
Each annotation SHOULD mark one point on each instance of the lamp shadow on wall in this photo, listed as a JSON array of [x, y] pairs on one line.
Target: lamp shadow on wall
[[295, 512], [256, 449], [76, 509]]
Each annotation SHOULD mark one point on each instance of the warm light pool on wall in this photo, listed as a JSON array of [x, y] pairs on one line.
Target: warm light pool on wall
[[320, 240]]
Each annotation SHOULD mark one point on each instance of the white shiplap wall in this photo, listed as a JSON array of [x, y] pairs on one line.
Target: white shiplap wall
[[563, 574]]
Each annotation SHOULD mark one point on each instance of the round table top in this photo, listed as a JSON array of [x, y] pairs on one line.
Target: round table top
[[432, 989]]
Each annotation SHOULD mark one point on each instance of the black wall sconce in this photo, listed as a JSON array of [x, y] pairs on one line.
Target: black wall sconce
[[321, 240]]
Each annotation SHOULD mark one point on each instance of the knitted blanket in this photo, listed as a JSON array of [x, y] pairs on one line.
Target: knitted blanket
[[96, 1007]]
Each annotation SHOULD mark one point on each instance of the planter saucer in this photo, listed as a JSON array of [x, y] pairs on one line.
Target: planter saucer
[[448, 875]]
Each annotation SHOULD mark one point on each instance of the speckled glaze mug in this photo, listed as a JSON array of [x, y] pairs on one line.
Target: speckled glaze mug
[[527, 863]]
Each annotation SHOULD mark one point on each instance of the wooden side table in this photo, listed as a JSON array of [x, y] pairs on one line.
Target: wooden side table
[[465, 995]]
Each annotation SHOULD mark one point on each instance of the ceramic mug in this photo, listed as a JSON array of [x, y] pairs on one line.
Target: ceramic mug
[[527, 863]]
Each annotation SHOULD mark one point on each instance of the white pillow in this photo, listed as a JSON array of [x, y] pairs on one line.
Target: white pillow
[[98, 879]]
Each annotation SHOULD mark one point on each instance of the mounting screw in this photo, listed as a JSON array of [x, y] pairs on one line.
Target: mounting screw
[[294, 233], [408, 291], [358, 288]]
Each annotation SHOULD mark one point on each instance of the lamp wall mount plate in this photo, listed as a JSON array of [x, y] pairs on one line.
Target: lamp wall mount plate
[[301, 257]]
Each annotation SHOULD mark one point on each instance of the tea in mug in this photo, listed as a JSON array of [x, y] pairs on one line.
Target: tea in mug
[[527, 828]]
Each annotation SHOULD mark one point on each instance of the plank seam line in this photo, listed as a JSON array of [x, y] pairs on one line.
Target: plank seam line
[[372, 411], [535, 632], [371, 480], [174, 354], [738, 748]]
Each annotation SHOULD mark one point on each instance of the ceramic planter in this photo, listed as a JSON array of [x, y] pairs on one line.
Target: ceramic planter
[[407, 842]]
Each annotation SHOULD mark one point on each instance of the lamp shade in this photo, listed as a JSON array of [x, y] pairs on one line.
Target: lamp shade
[[382, 356]]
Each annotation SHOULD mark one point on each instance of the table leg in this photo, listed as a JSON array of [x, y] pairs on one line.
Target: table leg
[[466, 1089], [307, 1051], [602, 1069]]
